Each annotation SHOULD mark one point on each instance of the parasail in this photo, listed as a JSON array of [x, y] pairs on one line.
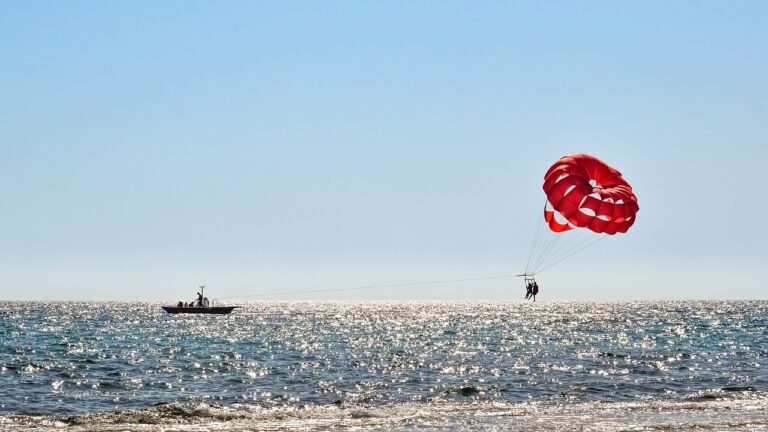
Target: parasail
[[586, 199], [589, 194]]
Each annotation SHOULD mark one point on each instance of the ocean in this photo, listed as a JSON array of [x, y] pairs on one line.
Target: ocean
[[386, 366]]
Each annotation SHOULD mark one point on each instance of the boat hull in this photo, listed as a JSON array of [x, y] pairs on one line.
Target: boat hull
[[218, 310]]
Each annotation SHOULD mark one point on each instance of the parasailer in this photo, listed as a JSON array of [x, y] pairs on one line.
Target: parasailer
[[531, 288], [586, 199]]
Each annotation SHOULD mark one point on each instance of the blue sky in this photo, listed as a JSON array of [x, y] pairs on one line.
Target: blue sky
[[286, 146]]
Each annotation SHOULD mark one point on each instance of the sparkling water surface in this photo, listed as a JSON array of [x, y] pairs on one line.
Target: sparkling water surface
[[386, 366]]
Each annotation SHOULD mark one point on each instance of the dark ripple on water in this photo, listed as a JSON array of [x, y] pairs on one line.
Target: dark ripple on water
[[77, 358]]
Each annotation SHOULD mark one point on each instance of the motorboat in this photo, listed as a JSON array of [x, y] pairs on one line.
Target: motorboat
[[201, 306]]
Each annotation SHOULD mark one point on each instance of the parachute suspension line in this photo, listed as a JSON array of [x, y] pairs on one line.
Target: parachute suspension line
[[537, 239], [570, 240], [550, 240], [545, 241], [578, 246], [574, 242], [584, 245], [550, 248], [533, 245], [552, 244], [553, 240]]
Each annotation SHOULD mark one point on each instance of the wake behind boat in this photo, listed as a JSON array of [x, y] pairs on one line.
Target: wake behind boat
[[200, 306]]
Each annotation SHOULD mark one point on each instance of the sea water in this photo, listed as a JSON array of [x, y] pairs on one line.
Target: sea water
[[386, 366]]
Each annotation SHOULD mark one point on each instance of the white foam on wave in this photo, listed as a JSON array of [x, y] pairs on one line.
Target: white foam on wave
[[742, 414]]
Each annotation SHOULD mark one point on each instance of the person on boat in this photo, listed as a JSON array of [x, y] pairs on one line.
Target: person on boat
[[199, 300], [181, 304]]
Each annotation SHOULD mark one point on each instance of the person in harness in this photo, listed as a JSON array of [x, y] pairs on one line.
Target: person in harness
[[531, 288]]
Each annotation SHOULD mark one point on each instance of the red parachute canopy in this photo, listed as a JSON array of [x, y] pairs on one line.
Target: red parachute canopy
[[588, 193]]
